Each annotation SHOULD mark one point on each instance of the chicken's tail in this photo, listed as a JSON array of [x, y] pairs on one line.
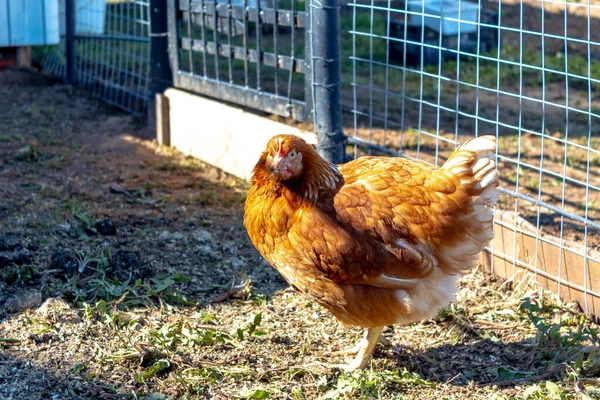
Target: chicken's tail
[[474, 163]]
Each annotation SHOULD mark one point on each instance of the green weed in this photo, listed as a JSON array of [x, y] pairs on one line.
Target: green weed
[[18, 274], [371, 384], [255, 394]]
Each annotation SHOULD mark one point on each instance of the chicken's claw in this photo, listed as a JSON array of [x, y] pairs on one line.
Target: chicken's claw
[[363, 350], [354, 350]]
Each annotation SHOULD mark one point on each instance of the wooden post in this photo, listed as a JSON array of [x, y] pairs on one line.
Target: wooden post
[[163, 124], [24, 56]]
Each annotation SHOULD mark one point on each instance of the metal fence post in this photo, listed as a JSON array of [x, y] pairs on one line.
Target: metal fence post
[[160, 69], [325, 69], [161, 76], [70, 14]]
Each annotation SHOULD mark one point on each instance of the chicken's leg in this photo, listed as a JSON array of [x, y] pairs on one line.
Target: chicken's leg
[[353, 350], [365, 350]]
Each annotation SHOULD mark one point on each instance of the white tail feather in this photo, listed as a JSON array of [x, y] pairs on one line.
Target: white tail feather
[[474, 163]]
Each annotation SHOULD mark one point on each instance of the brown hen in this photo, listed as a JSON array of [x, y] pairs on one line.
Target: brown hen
[[376, 241]]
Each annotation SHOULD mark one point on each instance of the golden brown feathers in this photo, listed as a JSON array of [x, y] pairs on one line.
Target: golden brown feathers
[[371, 237]]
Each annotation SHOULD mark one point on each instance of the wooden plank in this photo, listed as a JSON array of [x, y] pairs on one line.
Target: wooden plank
[[566, 268], [4, 25], [52, 22], [24, 56], [28, 22], [33, 23]]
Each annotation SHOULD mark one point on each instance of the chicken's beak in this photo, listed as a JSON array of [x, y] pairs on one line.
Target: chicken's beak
[[281, 167]]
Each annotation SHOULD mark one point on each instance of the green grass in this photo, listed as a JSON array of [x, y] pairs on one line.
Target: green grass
[[531, 62], [94, 282], [558, 336]]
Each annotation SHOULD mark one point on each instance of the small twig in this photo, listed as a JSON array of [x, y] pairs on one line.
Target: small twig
[[211, 288], [486, 307], [10, 341], [51, 271], [216, 328], [141, 353], [298, 366], [536, 378], [87, 278], [452, 379], [580, 384], [495, 292], [114, 188], [120, 300], [462, 323], [239, 290], [161, 303], [497, 325], [194, 364]]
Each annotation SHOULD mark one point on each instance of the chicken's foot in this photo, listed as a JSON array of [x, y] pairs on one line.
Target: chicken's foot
[[365, 350], [354, 350]]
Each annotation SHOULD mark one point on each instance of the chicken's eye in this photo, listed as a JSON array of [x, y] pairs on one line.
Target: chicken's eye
[[292, 154]]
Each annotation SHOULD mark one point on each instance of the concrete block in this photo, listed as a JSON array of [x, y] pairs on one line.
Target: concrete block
[[222, 135], [161, 119]]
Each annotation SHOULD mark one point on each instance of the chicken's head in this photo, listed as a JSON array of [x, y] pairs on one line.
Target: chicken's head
[[284, 156], [289, 163]]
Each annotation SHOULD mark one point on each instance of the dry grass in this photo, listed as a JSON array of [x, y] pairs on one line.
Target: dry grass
[[147, 326]]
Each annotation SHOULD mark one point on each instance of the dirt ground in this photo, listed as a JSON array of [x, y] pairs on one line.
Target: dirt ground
[[117, 259]]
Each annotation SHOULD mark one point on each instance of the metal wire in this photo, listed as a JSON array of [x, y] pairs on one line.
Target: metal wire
[[258, 40], [524, 71], [112, 50]]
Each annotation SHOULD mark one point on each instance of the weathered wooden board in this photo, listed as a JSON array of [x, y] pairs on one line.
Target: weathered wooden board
[[562, 269]]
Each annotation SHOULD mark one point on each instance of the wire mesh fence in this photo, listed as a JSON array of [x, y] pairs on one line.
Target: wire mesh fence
[[112, 50], [419, 77], [244, 51]]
